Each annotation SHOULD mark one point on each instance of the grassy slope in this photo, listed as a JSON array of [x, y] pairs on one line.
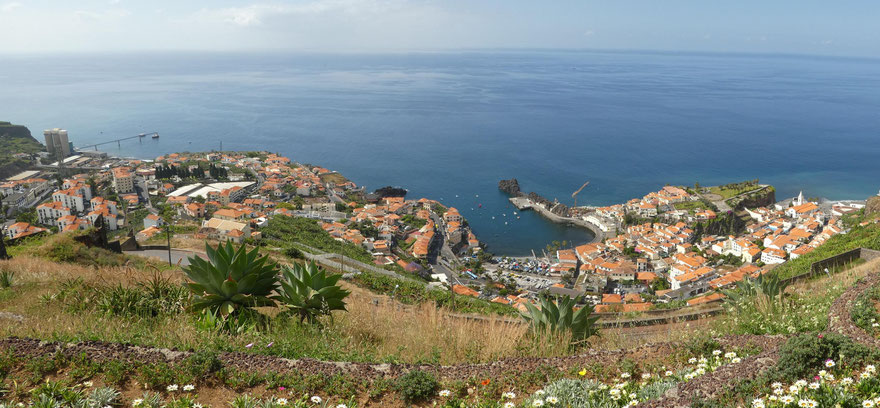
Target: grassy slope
[[866, 237]]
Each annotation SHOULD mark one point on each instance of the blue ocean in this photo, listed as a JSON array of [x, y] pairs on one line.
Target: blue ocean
[[449, 126]]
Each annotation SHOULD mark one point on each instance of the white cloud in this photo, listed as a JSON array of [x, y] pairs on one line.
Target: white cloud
[[91, 16], [9, 7], [255, 14]]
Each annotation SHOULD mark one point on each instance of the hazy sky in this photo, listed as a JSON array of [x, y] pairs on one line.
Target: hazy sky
[[764, 26]]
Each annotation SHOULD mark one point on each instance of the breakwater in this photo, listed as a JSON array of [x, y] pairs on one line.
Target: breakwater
[[553, 211]]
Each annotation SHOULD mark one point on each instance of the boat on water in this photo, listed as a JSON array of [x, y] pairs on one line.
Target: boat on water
[[155, 135], [140, 135]]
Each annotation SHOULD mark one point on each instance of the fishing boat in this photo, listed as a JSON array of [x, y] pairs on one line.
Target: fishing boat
[[140, 135], [155, 135]]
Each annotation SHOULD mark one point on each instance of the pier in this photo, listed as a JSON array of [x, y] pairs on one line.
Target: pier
[[524, 203], [521, 203], [153, 135]]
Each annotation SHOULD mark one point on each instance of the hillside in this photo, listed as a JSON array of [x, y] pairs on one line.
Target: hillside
[[79, 321], [15, 139]]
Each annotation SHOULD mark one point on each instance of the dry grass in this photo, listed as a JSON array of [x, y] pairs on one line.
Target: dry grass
[[426, 332], [842, 279], [374, 326]]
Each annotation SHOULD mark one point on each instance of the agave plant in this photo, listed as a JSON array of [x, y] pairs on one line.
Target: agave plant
[[309, 292], [765, 292], [560, 316], [232, 281]]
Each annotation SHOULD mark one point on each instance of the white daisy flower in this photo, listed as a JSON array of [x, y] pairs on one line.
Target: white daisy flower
[[316, 399]]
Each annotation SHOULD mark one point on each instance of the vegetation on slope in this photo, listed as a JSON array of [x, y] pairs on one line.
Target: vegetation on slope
[[867, 236], [286, 232], [15, 139]]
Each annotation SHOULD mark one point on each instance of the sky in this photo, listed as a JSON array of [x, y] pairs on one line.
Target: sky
[[813, 27]]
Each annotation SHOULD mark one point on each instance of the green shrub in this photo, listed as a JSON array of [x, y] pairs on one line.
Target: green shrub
[[201, 365], [864, 310], [417, 386], [561, 316], [233, 282], [82, 367], [115, 372], [806, 354], [156, 376], [307, 292], [294, 252], [6, 278]]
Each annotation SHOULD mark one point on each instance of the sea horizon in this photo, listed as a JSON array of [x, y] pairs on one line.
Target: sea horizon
[[450, 125]]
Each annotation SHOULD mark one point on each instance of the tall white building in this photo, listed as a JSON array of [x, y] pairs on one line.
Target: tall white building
[[57, 143]]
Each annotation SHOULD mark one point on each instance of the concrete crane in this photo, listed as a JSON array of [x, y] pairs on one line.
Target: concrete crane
[[574, 195]]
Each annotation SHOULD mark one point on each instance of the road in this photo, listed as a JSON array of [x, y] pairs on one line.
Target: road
[[177, 255], [441, 256]]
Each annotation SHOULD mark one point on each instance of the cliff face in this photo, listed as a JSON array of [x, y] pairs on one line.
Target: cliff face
[[15, 139], [765, 198]]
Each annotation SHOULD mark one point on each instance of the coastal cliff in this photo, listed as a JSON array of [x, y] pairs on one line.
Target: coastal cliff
[[762, 198], [16, 139]]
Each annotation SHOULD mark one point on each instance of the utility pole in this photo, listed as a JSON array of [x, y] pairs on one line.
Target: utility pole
[[3, 254], [168, 237]]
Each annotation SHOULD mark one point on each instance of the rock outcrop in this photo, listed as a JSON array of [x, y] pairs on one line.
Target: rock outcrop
[[510, 187]]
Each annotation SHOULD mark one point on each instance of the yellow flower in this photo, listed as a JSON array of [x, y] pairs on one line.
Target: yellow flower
[[583, 372]]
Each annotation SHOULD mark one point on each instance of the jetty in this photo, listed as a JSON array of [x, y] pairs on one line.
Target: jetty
[[154, 135], [524, 203], [521, 203]]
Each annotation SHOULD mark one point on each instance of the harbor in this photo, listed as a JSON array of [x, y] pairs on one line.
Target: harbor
[[524, 203]]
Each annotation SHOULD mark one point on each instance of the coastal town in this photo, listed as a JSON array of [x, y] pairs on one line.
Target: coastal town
[[677, 246]]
